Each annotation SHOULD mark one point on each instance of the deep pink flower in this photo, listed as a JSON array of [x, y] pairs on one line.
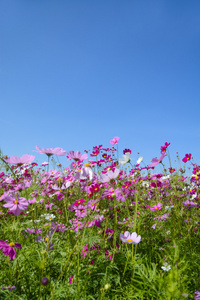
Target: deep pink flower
[[126, 150], [50, 151], [76, 156], [16, 204], [71, 279], [15, 160], [8, 249], [78, 202], [156, 161], [187, 157], [164, 148], [115, 140]]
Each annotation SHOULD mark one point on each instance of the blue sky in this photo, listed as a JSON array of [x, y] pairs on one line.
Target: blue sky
[[74, 74]]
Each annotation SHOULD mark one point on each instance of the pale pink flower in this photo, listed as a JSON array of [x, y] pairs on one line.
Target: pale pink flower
[[156, 161], [115, 140], [51, 151], [76, 156], [109, 175], [130, 238], [15, 160]]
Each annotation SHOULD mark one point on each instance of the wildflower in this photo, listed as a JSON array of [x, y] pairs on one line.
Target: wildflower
[[197, 295], [156, 161], [15, 204], [48, 217], [84, 251], [85, 171], [77, 156], [71, 279], [189, 203], [115, 140], [166, 267], [50, 151], [140, 159], [187, 157], [109, 175], [153, 226], [164, 148], [44, 281], [156, 207], [130, 238], [8, 249], [15, 160], [9, 288], [125, 158], [126, 150]]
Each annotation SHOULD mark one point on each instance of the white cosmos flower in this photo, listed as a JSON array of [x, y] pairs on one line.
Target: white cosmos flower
[[125, 158], [48, 217], [140, 159], [166, 267]]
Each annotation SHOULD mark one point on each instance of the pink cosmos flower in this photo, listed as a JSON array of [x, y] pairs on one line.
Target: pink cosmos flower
[[16, 204], [156, 161], [187, 157], [84, 251], [109, 175], [189, 203], [50, 151], [76, 156], [115, 140], [15, 160], [8, 249], [130, 238], [156, 207]]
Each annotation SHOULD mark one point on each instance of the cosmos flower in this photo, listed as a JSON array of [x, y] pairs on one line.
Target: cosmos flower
[[140, 159], [109, 175], [15, 160], [130, 238], [76, 156], [125, 158], [166, 267], [115, 140], [16, 204], [156, 161], [50, 151], [8, 249], [187, 157]]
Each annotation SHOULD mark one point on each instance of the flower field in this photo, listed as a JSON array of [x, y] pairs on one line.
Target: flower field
[[101, 228]]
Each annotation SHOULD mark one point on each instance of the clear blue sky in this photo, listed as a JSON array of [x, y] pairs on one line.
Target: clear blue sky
[[74, 74]]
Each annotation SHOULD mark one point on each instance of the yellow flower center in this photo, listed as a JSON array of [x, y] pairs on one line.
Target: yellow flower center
[[129, 240], [87, 165], [12, 244], [46, 239], [16, 202]]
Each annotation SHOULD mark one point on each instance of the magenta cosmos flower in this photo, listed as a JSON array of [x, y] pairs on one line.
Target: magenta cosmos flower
[[130, 238], [15, 160], [8, 249], [76, 156], [51, 151], [115, 140], [187, 157], [15, 204]]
